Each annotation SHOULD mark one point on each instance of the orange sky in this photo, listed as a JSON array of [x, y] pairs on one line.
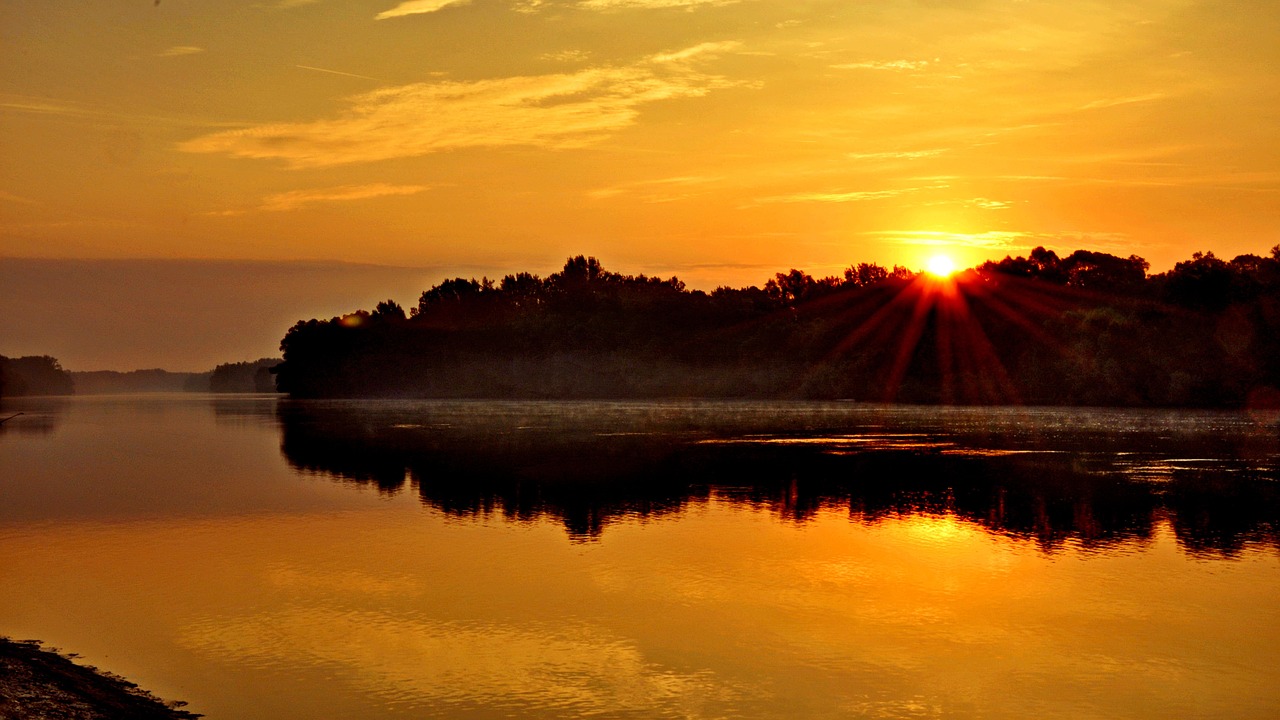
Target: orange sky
[[719, 140]]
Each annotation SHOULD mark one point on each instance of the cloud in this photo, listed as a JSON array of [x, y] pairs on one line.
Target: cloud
[[886, 65], [337, 72], [1113, 102], [843, 197], [1006, 240], [297, 199], [978, 202], [651, 4], [833, 197], [683, 181], [707, 48], [567, 56], [92, 113], [989, 204], [566, 110], [418, 7], [179, 50], [989, 240], [899, 155]]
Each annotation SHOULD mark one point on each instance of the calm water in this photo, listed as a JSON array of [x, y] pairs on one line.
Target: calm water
[[267, 559]]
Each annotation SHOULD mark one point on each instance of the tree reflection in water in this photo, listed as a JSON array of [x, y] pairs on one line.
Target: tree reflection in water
[[1048, 477]]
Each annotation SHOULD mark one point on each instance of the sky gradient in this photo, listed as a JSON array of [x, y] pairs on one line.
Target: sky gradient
[[718, 140]]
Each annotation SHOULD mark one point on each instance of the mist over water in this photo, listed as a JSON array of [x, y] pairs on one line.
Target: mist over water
[[294, 559]]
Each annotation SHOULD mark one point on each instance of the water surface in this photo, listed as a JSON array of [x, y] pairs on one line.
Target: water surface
[[272, 559]]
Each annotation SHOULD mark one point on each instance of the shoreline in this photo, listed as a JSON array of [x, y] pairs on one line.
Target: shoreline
[[39, 682]]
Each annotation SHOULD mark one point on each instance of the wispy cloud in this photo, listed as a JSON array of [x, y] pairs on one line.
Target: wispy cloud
[[989, 204], [552, 111], [682, 181], [1113, 102], [833, 197], [1006, 240], [886, 65], [978, 202], [297, 199], [989, 240], [180, 50], [337, 72], [844, 196], [567, 55], [283, 4], [898, 155], [689, 53], [651, 4], [91, 113], [418, 7]]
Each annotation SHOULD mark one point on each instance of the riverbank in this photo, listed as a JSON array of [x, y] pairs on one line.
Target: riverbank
[[39, 683]]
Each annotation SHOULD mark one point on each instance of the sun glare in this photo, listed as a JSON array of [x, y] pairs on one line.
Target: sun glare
[[940, 266]]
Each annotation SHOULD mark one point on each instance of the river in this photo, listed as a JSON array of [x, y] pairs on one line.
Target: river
[[265, 558]]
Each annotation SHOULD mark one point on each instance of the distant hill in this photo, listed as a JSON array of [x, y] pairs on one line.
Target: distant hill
[[106, 382]]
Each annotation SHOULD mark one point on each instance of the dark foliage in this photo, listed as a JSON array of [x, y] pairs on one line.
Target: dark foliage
[[1089, 328], [34, 375], [245, 377], [106, 382]]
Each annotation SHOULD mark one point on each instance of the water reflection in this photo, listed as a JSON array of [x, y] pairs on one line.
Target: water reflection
[[31, 416], [1088, 477], [827, 560]]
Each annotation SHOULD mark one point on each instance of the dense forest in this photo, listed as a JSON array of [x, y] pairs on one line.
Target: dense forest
[[112, 382], [33, 375], [43, 375], [1089, 328], [252, 377]]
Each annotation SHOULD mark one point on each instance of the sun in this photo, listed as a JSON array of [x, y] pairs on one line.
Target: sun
[[940, 266]]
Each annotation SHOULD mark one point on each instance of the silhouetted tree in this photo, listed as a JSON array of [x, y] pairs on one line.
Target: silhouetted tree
[[34, 375], [243, 377], [1087, 328], [1203, 282], [388, 311], [864, 274]]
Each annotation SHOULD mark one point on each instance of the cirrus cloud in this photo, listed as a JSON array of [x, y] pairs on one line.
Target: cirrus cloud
[[557, 111], [418, 7], [652, 4], [180, 50], [294, 199], [298, 199]]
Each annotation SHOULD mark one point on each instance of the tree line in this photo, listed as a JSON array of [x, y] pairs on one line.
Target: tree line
[[44, 375], [1086, 328], [33, 375]]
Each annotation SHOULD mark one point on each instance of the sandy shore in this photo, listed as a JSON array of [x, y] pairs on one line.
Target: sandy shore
[[37, 683]]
